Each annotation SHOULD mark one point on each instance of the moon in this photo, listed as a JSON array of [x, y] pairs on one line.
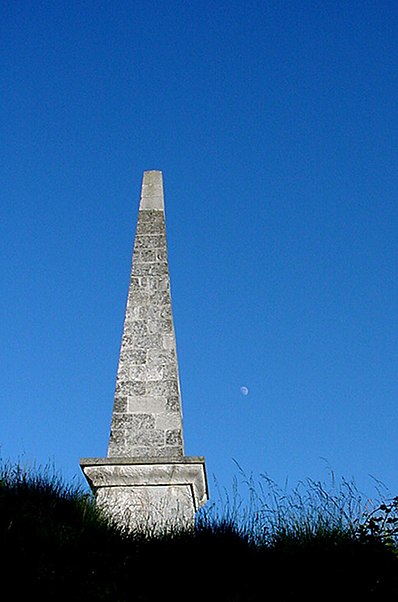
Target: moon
[[244, 391]]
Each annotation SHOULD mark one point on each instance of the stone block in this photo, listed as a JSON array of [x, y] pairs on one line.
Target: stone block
[[168, 421], [148, 341], [150, 215], [122, 373], [168, 341], [146, 255], [164, 287], [161, 356], [159, 299], [138, 373], [126, 388], [141, 285], [147, 438], [133, 422], [148, 495], [163, 388], [136, 327], [152, 405], [163, 326], [120, 404], [173, 404], [132, 357], [170, 372], [149, 269], [173, 437], [146, 373], [140, 297], [154, 241]]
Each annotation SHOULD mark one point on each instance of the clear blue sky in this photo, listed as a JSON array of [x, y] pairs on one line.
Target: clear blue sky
[[275, 125]]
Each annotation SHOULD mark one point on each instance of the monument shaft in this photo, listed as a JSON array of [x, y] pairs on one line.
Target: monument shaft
[[146, 482], [147, 416]]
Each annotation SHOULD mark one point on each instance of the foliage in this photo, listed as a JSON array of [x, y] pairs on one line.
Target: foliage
[[311, 542], [270, 515]]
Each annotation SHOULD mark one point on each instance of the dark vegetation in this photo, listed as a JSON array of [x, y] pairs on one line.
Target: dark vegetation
[[315, 543]]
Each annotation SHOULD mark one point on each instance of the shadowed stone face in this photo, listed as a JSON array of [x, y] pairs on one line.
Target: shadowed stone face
[[151, 497], [147, 419]]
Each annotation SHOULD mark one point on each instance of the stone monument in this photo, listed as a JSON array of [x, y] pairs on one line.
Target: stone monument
[[146, 482]]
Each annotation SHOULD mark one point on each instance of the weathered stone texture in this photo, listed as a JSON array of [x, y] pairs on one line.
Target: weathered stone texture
[[147, 380], [155, 495], [146, 482]]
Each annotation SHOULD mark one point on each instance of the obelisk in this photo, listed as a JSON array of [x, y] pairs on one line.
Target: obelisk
[[146, 482]]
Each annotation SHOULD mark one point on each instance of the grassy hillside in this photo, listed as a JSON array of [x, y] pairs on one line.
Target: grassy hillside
[[312, 544]]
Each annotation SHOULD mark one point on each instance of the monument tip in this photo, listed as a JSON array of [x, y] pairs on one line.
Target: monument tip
[[152, 191]]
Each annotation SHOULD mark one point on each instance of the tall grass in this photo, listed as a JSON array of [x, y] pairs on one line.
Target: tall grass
[[269, 515], [311, 542], [41, 490]]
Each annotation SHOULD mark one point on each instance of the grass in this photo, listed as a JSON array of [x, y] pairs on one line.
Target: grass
[[315, 542]]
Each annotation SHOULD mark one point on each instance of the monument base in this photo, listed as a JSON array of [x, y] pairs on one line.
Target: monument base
[[148, 495]]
